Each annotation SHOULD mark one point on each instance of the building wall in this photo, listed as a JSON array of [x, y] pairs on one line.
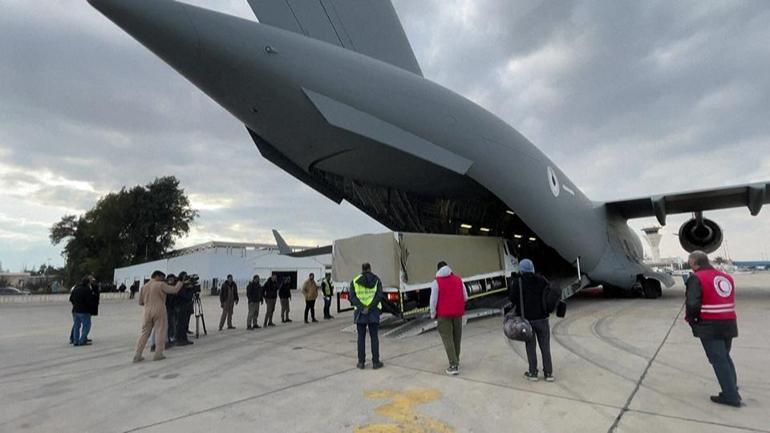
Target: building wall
[[217, 263]]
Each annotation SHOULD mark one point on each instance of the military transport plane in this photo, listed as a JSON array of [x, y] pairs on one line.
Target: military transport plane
[[331, 92]]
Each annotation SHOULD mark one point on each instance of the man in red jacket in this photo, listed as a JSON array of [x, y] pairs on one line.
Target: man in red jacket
[[710, 308], [447, 304]]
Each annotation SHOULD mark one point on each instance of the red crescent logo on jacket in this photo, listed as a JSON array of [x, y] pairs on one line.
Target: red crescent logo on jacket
[[723, 286]]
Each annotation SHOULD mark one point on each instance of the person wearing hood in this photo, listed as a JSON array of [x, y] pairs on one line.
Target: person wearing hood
[[366, 296], [447, 305], [535, 312]]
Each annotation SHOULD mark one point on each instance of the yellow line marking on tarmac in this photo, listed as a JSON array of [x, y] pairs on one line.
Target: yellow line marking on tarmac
[[401, 410]]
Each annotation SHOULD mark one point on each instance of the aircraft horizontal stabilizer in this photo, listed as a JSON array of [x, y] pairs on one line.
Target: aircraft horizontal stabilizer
[[351, 119], [752, 196]]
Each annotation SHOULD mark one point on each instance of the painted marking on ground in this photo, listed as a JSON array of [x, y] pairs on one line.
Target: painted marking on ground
[[401, 410]]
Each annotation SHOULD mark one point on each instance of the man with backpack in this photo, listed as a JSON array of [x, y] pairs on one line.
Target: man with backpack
[[534, 295]]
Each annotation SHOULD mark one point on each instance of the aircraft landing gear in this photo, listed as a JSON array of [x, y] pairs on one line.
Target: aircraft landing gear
[[651, 289]]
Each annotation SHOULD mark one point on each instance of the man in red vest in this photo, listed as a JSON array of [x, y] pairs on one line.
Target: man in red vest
[[447, 304], [711, 314]]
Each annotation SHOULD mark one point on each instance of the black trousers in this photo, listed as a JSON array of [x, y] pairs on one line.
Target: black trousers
[[310, 307], [183, 322], [375, 338], [542, 331], [718, 354], [171, 315], [327, 306]]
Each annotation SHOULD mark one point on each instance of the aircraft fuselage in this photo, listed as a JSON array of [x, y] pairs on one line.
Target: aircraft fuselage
[[333, 111]]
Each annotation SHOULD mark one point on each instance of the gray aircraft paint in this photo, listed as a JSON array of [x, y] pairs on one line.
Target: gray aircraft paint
[[326, 107]]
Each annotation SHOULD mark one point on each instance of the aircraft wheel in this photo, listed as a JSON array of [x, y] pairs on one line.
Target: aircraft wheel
[[610, 291], [651, 288]]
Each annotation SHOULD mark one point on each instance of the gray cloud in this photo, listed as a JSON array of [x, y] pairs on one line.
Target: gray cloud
[[628, 98]]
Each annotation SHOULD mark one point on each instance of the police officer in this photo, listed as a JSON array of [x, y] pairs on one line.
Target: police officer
[[710, 308], [366, 296], [328, 292]]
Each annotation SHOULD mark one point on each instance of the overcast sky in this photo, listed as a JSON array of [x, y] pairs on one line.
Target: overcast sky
[[629, 98]]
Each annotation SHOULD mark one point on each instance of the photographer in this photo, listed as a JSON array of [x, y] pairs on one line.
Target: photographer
[[184, 308], [171, 303]]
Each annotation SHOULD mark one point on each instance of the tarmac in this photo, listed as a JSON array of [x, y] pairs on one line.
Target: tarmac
[[621, 365]]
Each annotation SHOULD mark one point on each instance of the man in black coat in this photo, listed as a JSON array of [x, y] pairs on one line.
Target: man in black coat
[[535, 312], [270, 293], [284, 294], [228, 299], [82, 302], [254, 293], [183, 309]]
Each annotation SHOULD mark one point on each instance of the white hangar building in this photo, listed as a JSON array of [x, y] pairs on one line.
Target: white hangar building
[[213, 261]]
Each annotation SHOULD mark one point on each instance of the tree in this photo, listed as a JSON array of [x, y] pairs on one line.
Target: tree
[[124, 228]]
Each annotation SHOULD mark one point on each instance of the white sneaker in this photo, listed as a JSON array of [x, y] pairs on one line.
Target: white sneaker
[[549, 378], [531, 377]]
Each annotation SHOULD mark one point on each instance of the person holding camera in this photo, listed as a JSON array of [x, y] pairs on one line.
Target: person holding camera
[[228, 299], [183, 310], [255, 296]]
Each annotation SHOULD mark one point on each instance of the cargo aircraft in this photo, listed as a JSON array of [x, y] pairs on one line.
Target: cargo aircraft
[[331, 92]]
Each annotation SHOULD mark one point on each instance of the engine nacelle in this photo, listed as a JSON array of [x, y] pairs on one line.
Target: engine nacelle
[[703, 234]]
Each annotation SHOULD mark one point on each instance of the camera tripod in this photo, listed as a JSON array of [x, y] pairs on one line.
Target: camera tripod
[[199, 319]]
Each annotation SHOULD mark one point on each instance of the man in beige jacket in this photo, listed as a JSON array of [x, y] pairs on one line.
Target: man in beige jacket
[[310, 290], [153, 298]]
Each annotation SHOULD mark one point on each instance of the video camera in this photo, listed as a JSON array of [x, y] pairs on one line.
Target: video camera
[[192, 283]]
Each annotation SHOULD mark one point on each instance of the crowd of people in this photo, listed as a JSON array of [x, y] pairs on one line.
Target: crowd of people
[[168, 304]]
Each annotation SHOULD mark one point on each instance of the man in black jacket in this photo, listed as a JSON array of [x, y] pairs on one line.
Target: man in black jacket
[[284, 294], [228, 298], [537, 315], [270, 293], [82, 301], [254, 293], [183, 309]]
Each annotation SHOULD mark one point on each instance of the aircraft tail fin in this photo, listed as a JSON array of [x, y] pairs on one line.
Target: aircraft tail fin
[[283, 247], [369, 27]]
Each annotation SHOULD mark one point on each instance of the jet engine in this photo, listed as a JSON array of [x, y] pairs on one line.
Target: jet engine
[[700, 234]]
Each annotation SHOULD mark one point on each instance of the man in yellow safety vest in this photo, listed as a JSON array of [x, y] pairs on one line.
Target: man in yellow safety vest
[[366, 296]]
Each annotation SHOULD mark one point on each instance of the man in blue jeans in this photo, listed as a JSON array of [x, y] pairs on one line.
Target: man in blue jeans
[[82, 304]]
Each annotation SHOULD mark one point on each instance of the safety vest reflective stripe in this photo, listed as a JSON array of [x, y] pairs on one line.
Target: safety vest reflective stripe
[[718, 307], [365, 294]]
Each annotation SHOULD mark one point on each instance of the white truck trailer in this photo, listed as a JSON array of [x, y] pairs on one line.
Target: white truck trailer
[[406, 265]]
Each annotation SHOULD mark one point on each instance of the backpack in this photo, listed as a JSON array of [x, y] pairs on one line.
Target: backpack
[[551, 298]]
